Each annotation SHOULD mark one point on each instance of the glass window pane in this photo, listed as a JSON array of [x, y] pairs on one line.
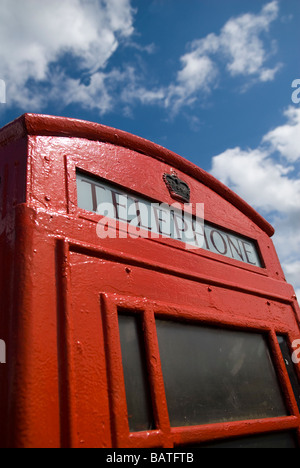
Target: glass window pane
[[135, 374], [213, 375], [290, 367], [85, 193]]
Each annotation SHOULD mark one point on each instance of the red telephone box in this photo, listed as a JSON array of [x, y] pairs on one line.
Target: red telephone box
[[157, 329]]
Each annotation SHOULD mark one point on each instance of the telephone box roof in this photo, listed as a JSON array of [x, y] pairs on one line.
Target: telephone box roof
[[45, 125]]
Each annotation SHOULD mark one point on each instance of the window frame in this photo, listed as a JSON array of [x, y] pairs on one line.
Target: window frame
[[165, 436]]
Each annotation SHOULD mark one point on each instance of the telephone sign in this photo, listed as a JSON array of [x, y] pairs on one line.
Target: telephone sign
[[155, 219]]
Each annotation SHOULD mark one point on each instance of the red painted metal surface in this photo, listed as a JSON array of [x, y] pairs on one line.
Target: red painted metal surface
[[61, 288]]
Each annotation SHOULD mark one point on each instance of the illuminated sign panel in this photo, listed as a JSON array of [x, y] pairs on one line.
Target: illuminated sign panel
[[159, 220]]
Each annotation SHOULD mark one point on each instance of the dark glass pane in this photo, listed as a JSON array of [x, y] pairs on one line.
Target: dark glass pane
[[290, 367], [213, 375], [276, 440], [135, 374]]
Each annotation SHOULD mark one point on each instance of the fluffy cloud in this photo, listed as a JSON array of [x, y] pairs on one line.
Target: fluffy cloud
[[241, 41], [35, 35], [285, 139], [292, 271], [198, 74], [258, 178], [240, 48], [268, 178]]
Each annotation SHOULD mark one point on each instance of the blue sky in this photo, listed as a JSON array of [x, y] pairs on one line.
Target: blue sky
[[208, 79]]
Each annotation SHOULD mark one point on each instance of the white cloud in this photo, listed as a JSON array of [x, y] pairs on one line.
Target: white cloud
[[241, 41], [198, 74], [257, 178], [35, 34], [268, 182], [96, 95], [102, 88], [286, 139], [240, 46], [268, 74], [292, 271]]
